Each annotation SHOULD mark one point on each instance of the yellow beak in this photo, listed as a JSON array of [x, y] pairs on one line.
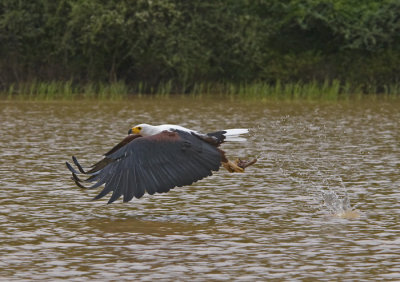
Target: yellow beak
[[135, 130]]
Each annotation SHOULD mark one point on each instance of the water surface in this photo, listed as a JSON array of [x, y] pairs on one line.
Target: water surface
[[279, 220]]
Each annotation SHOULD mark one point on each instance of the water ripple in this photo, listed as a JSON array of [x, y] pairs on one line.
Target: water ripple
[[276, 221]]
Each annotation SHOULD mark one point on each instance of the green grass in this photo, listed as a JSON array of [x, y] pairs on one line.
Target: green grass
[[57, 90], [261, 91]]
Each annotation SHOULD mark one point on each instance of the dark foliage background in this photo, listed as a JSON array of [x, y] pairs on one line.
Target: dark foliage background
[[235, 41]]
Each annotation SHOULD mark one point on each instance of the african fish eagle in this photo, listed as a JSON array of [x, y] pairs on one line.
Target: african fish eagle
[[155, 159]]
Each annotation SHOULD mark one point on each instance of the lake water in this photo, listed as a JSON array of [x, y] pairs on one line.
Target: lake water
[[322, 203]]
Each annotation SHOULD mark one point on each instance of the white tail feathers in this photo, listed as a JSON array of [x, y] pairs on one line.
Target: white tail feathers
[[234, 134]]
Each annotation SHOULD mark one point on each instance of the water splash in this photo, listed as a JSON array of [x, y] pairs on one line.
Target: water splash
[[338, 206], [323, 185]]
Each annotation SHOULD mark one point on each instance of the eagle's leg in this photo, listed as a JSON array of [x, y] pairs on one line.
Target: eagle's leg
[[232, 166], [238, 165]]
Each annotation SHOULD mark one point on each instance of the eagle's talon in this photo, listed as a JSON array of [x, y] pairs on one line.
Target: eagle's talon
[[243, 164]]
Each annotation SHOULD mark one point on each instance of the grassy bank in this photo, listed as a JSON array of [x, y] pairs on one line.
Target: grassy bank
[[328, 90]]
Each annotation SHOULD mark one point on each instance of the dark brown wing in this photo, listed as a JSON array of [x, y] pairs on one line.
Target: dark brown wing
[[153, 164], [121, 144], [101, 164]]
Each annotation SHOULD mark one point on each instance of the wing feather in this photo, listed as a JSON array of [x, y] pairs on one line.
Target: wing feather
[[129, 183], [115, 186], [164, 176], [140, 188]]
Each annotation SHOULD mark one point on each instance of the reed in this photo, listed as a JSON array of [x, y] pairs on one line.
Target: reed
[[57, 90], [262, 91], [89, 90], [164, 89], [113, 91]]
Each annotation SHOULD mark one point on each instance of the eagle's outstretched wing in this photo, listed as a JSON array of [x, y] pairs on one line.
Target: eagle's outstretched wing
[[152, 164]]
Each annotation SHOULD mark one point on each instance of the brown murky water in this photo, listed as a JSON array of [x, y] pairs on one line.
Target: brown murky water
[[283, 219]]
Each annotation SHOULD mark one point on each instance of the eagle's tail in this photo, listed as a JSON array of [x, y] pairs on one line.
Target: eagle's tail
[[235, 134]]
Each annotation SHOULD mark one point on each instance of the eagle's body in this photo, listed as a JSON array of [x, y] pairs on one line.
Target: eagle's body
[[147, 130], [158, 158]]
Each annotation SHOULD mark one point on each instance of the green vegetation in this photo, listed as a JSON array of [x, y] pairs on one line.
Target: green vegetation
[[281, 49], [254, 91]]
